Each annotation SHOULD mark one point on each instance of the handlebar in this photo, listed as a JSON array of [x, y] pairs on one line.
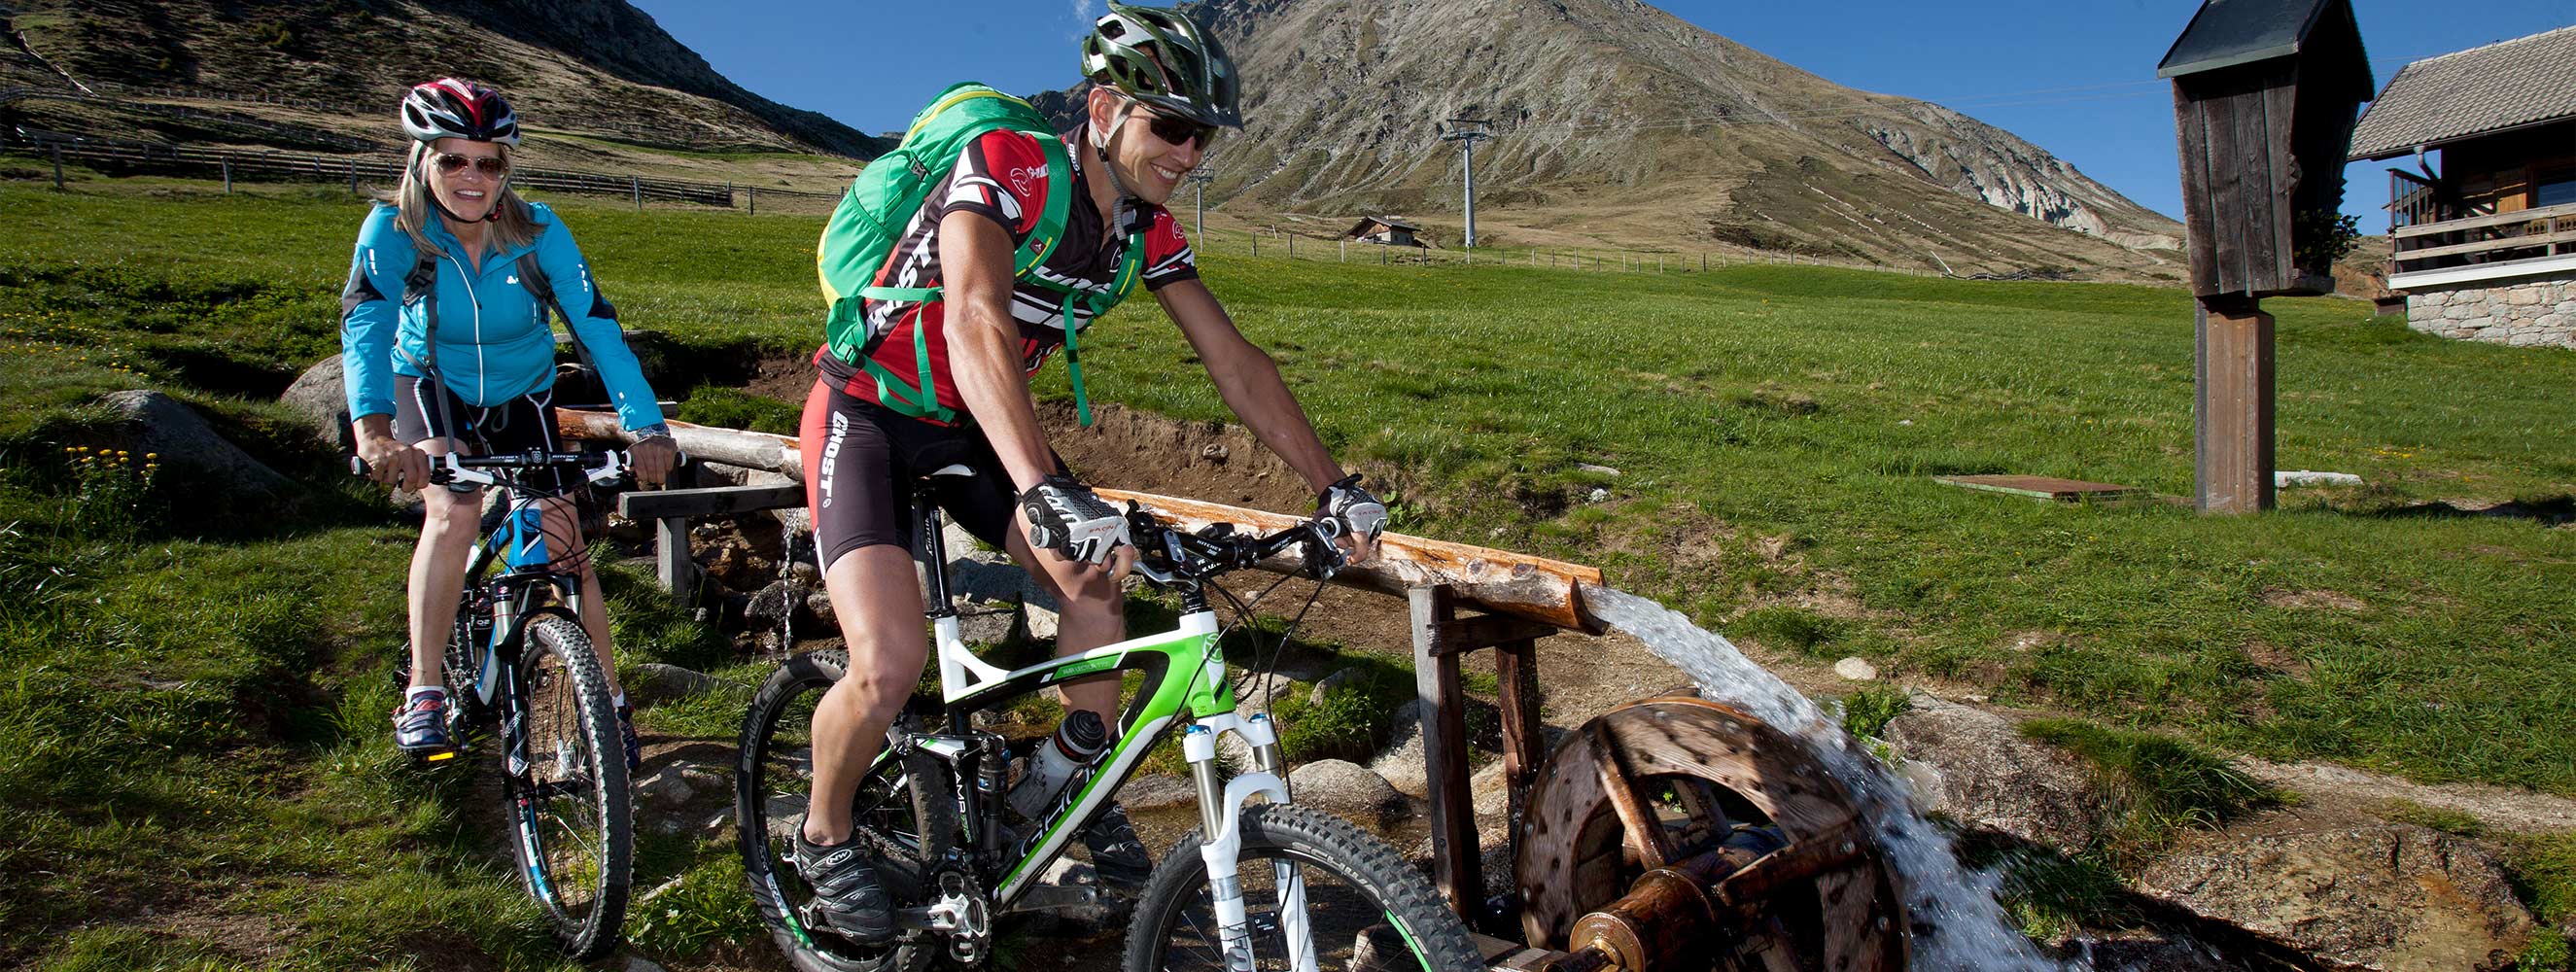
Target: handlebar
[[597, 467], [1166, 554]]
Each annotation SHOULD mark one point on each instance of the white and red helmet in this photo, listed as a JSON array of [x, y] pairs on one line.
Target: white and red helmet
[[457, 108]]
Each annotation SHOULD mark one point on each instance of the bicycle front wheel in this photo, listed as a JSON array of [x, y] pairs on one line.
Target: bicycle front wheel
[[1366, 909], [567, 796]]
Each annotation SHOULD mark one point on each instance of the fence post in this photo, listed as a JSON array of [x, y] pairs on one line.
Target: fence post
[[752, 194], [1292, 246], [636, 184], [58, 166], [1346, 251], [353, 177], [1256, 244], [228, 174]]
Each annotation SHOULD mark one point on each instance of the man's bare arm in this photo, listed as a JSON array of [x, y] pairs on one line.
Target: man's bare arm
[[984, 345], [1249, 381]]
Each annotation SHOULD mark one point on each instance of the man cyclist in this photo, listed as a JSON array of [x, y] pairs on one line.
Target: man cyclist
[[1160, 89]]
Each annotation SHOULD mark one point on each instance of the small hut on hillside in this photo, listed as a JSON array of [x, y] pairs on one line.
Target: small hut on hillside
[[1388, 230]]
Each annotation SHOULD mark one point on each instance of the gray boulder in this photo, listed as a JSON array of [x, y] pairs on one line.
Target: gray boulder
[[1401, 763], [318, 397], [207, 466], [1158, 791], [1348, 790], [2398, 898], [653, 683], [1991, 777]]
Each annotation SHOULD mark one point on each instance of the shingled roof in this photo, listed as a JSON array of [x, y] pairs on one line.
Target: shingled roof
[[2482, 89]]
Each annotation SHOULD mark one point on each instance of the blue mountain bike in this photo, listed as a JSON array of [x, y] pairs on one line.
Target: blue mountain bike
[[523, 674]]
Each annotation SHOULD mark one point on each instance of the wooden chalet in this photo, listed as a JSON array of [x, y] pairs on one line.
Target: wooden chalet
[[1387, 230], [2482, 212]]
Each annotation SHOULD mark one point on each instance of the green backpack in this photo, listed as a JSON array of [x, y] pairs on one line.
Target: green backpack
[[883, 200]]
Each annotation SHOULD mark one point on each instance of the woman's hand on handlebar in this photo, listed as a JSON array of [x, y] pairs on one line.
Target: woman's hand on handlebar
[[651, 458], [388, 460]]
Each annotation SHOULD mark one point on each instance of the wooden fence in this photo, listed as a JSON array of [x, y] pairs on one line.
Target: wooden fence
[[119, 157]]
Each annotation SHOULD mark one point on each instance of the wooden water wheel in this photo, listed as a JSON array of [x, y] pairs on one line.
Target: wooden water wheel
[[1678, 833]]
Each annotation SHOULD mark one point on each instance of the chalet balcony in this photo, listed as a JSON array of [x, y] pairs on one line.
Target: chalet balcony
[[2438, 245]]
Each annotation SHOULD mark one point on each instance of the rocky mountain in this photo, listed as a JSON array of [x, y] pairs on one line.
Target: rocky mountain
[[592, 67], [1623, 125]]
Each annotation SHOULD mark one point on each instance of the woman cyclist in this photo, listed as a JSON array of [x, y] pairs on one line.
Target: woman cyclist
[[446, 348]]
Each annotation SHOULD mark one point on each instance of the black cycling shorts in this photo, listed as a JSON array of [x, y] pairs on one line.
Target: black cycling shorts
[[522, 424], [861, 462]]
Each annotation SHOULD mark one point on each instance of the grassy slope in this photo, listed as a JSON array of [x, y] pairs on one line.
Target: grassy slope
[[1773, 485]]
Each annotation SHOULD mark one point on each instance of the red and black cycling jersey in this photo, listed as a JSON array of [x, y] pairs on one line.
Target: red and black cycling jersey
[[1002, 175]]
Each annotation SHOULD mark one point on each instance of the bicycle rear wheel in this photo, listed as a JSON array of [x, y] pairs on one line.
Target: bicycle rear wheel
[[568, 805], [1366, 908], [904, 814]]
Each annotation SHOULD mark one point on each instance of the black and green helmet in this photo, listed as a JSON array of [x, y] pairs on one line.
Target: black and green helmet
[[1161, 58]]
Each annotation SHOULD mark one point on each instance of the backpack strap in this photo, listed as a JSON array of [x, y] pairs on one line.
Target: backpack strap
[[421, 285], [533, 276], [1100, 302]]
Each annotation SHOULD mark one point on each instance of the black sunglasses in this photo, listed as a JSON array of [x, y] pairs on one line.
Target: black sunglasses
[[450, 163], [1180, 131]]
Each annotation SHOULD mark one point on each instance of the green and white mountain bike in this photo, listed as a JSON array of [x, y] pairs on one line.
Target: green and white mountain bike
[[1258, 886]]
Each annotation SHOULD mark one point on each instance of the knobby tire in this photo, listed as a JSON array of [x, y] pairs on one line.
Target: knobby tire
[[1370, 910], [577, 837]]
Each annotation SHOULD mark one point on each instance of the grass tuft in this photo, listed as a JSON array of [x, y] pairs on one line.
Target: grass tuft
[[2165, 785]]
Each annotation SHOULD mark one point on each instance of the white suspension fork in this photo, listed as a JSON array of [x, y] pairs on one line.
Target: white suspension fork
[[1221, 821]]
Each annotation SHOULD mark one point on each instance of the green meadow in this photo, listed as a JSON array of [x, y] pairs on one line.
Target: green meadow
[[193, 764]]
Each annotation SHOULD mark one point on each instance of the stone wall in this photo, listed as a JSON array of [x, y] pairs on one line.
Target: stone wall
[[2522, 313]]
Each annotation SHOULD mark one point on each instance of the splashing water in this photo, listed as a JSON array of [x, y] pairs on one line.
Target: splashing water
[[1968, 928]]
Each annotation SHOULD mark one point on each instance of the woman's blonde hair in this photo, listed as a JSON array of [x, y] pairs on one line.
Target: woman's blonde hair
[[512, 225]]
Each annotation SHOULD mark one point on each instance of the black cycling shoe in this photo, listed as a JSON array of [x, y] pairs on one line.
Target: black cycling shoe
[[846, 889], [1117, 854]]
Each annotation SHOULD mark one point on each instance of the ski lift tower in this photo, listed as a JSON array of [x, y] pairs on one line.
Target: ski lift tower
[[1457, 131]]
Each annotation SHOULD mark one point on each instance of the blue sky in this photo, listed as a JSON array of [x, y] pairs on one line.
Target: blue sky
[[2077, 77]]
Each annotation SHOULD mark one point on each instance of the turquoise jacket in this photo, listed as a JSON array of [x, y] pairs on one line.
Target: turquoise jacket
[[493, 342]]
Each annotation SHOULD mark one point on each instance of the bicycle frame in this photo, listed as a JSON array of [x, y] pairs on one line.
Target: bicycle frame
[[1185, 678]]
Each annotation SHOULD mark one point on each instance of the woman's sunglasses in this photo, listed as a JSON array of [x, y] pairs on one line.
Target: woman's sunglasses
[[450, 163]]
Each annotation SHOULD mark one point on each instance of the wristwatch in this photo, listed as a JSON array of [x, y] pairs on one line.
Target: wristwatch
[[657, 430]]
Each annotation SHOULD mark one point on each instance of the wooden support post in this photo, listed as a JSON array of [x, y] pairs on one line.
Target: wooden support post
[[636, 185], [353, 177], [2232, 406], [228, 175], [1346, 251], [1457, 864], [58, 167], [1524, 745], [752, 195], [671, 559]]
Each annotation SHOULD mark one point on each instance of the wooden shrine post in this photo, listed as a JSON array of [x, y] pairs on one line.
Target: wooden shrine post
[[2265, 96]]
